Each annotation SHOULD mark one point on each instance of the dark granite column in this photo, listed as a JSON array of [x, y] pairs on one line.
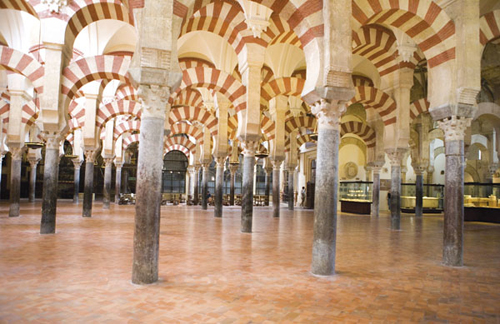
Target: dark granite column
[[125, 181], [453, 241], [89, 183], [50, 184], [395, 155], [291, 173], [15, 180], [196, 190], [32, 189], [276, 187], [232, 168], [107, 182], [118, 181], [376, 191], [204, 185], [326, 191], [77, 163], [247, 186], [148, 188], [269, 174], [219, 186], [419, 189], [1, 162]]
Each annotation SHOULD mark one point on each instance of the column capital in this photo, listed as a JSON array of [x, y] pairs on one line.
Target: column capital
[[154, 100], [454, 127], [249, 148], [192, 169], [118, 165], [376, 166], [419, 168], [396, 156], [220, 160], [108, 162], [205, 165], [33, 162], [90, 156], [17, 153], [492, 169], [51, 141], [77, 163], [233, 167], [328, 113], [276, 163]]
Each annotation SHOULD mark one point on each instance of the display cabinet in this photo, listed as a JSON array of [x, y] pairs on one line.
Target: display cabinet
[[433, 200], [355, 197], [481, 202]]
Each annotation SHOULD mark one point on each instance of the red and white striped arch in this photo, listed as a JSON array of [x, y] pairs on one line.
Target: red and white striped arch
[[29, 113], [117, 108], [288, 86], [360, 129], [301, 140], [376, 99], [77, 114], [359, 80], [123, 127], [185, 128], [279, 32], [134, 138], [84, 12], [293, 123], [191, 62], [89, 69], [377, 44], [191, 114], [126, 92], [423, 20], [232, 126], [180, 140], [267, 127], [187, 97], [19, 5], [177, 147], [489, 27], [24, 64], [216, 80], [418, 106]]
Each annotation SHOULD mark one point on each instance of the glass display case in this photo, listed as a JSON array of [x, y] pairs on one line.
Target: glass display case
[[433, 200], [482, 202], [355, 197]]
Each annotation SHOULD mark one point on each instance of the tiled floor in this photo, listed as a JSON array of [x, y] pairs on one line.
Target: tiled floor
[[212, 273]]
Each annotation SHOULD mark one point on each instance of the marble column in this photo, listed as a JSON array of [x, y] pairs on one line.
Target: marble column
[[376, 191], [291, 177], [107, 182], [118, 181], [232, 168], [196, 190], [395, 156], [204, 185], [15, 180], [269, 174], [32, 189], [1, 161], [50, 184], [326, 191], [453, 240], [276, 186], [249, 148], [77, 163], [219, 186], [149, 180], [419, 189], [125, 181], [89, 183]]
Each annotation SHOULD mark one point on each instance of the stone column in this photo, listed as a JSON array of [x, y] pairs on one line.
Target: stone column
[[269, 174], [50, 184], [15, 180], [219, 186], [291, 177], [1, 161], [196, 190], [376, 190], [153, 99], [77, 163], [395, 155], [118, 181], [204, 185], [368, 172], [89, 183], [249, 148], [232, 168], [454, 130], [32, 189], [107, 182], [419, 189], [326, 191], [276, 186]]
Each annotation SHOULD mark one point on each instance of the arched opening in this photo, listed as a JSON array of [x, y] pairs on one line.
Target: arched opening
[[175, 165]]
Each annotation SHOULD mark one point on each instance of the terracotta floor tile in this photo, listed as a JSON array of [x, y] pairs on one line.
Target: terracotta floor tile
[[212, 273]]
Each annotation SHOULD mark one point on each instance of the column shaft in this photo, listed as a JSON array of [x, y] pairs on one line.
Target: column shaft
[[325, 202], [276, 191], [219, 186], [290, 189], [107, 186], [76, 177], [118, 184], [231, 190], [15, 187], [247, 194], [196, 192], [32, 188], [376, 194], [49, 196], [268, 187], [204, 188], [89, 188], [395, 197], [419, 193], [148, 200]]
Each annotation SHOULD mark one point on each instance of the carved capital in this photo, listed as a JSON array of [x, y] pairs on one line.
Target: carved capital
[[205, 165], [55, 5], [52, 142], [376, 166], [118, 165], [328, 114], [108, 162], [17, 153], [249, 148], [77, 163], [276, 163], [90, 156], [220, 161], [419, 168], [233, 167], [33, 162], [192, 170], [492, 169], [454, 127], [154, 100], [396, 156]]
